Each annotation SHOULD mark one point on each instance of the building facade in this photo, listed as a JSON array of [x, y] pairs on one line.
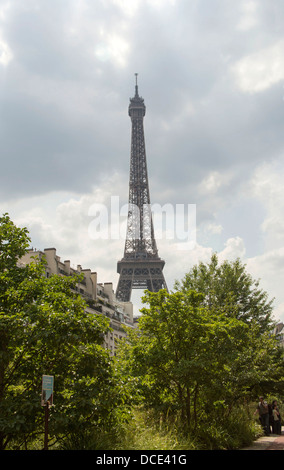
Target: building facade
[[100, 298], [279, 333]]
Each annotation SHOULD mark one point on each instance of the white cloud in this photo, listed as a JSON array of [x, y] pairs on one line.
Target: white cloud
[[130, 7], [234, 248], [269, 268], [214, 181], [113, 48], [267, 187], [62, 220], [279, 313], [4, 9], [159, 4], [249, 17], [259, 71], [213, 228], [6, 54]]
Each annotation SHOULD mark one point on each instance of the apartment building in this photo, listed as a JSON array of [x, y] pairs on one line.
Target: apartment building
[[100, 297], [279, 333]]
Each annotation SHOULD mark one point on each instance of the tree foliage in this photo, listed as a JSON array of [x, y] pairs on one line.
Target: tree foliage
[[197, 354], [45, 329], [230, 286]]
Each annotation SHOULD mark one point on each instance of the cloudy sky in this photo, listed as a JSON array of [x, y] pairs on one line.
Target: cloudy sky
[[211, 73]]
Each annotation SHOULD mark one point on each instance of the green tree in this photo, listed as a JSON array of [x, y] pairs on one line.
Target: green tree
[[229, 285], [192, 361], [45, 329]]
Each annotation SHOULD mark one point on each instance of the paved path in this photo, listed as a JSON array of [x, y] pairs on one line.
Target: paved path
[[272, 442]]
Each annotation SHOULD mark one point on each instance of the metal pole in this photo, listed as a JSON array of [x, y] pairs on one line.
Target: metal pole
[[46, 426]]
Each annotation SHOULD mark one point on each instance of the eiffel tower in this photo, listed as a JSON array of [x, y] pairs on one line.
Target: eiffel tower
[[140, 267]]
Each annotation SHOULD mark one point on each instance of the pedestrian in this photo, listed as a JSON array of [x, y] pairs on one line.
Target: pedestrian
[[270, 406], [276, 426], [262, 410]]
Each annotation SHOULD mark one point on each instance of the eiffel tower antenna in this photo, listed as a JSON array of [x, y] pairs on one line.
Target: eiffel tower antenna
[[140, 267], [136, 85]]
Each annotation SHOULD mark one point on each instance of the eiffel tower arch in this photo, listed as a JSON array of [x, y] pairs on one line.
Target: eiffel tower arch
[[140, 267]]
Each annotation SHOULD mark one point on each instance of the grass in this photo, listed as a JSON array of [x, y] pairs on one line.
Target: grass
[[235, 431], [141, 434]]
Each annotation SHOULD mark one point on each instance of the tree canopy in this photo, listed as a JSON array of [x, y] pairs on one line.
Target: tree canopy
[[206, 346], [228, 285], [46, 330]]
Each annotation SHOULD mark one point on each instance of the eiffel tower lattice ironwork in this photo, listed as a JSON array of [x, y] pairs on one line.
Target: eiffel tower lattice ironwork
[[140, 267]]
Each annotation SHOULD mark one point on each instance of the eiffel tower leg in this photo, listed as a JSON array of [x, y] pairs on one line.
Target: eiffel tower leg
[[158, 283], [124, 289]]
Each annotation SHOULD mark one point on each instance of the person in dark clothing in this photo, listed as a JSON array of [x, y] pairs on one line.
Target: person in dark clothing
[[263, 412], [276, 423], [270, 417]]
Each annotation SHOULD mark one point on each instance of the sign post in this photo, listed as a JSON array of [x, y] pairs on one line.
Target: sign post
[[47, 401], [45, 447]]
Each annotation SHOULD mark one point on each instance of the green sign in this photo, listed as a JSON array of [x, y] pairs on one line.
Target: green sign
[[47, 390]]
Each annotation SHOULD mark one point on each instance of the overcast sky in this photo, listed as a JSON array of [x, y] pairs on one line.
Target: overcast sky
[[211, 73]]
